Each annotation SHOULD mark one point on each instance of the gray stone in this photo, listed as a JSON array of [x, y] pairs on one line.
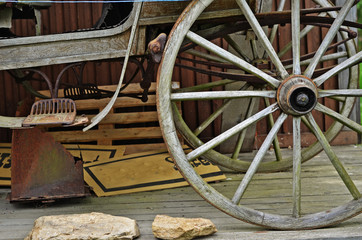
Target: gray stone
[[84, 226], [165, 227]]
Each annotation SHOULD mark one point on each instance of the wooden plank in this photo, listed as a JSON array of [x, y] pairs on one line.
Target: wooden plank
[[129, 118], [120, 102], [132, 88], [168, 12], [70, 47], [103, 141], [129, 122], [110, 134]]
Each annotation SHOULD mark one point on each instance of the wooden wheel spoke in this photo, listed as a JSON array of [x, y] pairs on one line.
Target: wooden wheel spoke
[[231, 132], [204, 86], [210, 95], [340, 92], [276, 145], [296, 36], [232, 58], [333, 158], [257, 159], [212, 117], [192, 27], [204, 55], [340, 67], [297, 164], [328, 38], [237, 48], [249, 15], [339, 117], [332, 56], [274, 30], [241, 138], [215, 114], [302, 34]]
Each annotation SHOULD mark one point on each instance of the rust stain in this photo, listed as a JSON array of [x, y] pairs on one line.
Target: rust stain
[[42, 169]]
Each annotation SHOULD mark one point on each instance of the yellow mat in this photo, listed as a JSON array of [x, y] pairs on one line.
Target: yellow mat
[[142, 172], [5, 164], [108, 172]]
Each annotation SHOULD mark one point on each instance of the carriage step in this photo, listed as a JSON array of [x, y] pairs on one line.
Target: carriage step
[[51, 112]]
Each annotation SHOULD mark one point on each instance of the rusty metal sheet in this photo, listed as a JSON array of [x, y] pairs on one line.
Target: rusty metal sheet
[[42, 169]]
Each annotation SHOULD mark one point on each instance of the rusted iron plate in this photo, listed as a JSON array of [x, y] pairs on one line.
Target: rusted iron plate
[[41, 169], [51, 111]]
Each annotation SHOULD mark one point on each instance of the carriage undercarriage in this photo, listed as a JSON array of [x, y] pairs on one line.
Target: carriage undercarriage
[[288, 88]]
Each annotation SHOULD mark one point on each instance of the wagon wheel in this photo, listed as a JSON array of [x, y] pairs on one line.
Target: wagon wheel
[[296, 95], [234, 160]]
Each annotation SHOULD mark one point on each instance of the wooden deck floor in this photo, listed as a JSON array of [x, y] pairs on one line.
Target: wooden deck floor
[[322, 189]]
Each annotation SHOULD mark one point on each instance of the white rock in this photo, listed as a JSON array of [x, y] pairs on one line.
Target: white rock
[[165, 227], [84, 226]]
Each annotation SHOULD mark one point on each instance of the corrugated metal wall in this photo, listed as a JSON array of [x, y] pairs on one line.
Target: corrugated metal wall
[[69, 17]]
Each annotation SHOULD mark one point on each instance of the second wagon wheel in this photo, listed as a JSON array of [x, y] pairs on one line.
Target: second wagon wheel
[[295, 91]]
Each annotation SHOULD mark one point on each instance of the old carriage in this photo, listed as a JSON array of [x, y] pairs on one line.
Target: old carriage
[[234, 42]]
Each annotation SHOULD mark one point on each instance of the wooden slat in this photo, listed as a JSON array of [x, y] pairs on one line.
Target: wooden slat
[[120, 102], [111, 134], [168, 12], [128, 118], [133, 124], [103, 126]]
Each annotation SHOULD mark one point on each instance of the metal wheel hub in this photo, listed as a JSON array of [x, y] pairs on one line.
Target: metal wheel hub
[[297, 95]]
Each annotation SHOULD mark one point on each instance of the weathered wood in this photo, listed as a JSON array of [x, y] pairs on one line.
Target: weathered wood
[[168, 12], [220, 95], [101, 44], [134, 129], [129, 118], [131, 42], [66, 48], [215, 196], [224, 136], [111, 134], [272, 192], [103, 141]]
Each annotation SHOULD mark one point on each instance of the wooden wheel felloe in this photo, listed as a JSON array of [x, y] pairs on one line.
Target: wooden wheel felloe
[[294, 91]]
